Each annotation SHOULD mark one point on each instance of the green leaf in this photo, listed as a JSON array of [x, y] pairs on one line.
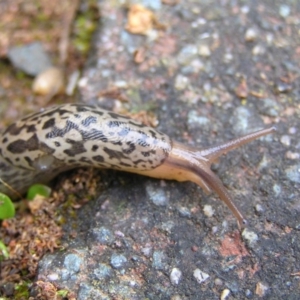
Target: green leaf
[[7, 208], [3, 251], [38, 189]]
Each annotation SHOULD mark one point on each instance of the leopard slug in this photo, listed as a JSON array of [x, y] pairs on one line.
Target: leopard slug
[[42, 145]]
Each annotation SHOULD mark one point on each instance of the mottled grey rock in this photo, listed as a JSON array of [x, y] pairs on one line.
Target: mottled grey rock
[[31, 59]]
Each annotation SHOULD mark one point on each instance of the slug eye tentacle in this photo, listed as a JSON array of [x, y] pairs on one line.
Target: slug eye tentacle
[[195, 166], [213, 153]]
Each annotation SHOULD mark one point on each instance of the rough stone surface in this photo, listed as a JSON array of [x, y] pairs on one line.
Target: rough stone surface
[[127, 248]]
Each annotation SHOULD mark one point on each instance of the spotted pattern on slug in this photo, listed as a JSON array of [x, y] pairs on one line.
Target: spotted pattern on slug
[[61, 138]]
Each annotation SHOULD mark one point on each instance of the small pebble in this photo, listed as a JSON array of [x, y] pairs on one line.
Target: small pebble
[[204, 51], [158, 260], [53, 276], [72, 263], [277, 189], [284, 10], [175, 276], [103, 235], [250, 236], [208, 210], [261, 289], [285, 140], [258, 50], [218, 282], [49, 82], [181, 82], [282, 87], [118, 261], [292, 130], [228, 57], [293, 173], [147, 251], [259, 208], [157, 195], [187, 54], [184, 211], [250, 35], [269, 107], [292, 155], [225, 293], [200, 276], [103, 271], [176, 297], [197, 121]]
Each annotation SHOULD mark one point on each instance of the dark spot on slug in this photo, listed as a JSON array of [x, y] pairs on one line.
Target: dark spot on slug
[[136, 124], [114, 154], [13, 129], [31, 128], [130, 149], [117, 143], [4, 140], [85, 159], [95, 148], [146, 154], [77, 148], [80, 108], [48, 124], [57, 144], [98, 158], [125, 164], [112, 124], [29, 160], [20, 146], [116, 116], [153, 133]]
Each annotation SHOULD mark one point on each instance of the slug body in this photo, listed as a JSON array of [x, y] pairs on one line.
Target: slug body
[[42, 145]]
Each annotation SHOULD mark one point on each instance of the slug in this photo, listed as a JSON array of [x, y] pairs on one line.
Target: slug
[[44, 144]]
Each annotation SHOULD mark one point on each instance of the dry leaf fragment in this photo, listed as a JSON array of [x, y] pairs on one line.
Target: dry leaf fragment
[[141, 20]]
